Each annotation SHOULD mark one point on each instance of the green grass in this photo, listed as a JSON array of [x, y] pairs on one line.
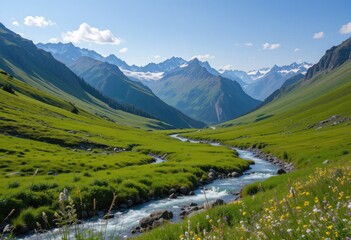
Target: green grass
[[55, 141], [304, 212], [45, 148], [290, 129]]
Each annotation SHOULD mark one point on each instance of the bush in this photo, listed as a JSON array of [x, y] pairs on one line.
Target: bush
[[30, 217], [34, 199], [76, 179], [42, 187], [252, 189], [87, 174], [102, 195], [8, 88], [14, 184], [100, 183]]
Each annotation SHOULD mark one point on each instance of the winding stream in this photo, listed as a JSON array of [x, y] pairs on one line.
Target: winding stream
[[124, 221]]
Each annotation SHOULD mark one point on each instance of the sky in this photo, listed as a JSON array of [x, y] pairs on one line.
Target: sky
[[229, 34]]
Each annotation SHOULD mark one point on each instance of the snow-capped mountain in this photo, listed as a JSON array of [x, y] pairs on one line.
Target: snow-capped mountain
[[261, 83], [68, 53]]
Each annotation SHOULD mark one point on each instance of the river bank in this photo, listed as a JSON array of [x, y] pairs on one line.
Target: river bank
[[224, 187]]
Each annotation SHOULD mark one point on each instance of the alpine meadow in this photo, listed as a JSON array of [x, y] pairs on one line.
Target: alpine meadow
[[175, 120]]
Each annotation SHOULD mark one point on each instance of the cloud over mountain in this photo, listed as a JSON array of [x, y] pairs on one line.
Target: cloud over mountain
[[37, 21], [345, 29], [86, 33]]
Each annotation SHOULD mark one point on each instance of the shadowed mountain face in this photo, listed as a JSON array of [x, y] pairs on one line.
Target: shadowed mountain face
[[333, 58], [203, 96], [110, 81]]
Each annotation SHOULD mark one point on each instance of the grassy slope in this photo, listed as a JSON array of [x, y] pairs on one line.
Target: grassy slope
[[35, 135], [39, 69], [283, 128]]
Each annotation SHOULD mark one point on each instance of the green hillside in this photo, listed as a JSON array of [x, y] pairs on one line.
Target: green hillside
[[23, 60], [309, 126], [47, 147]]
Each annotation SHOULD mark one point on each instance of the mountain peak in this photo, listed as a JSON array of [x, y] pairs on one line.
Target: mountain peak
[[194, 61], [333, 58]]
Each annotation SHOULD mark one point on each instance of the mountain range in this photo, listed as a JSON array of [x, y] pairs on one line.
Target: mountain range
[[22, 59], [201, 102], [202, 95], [110, 81], [259, 84]]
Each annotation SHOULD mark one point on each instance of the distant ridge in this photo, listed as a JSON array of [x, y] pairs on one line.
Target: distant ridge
[[201, 95], [333, 58]]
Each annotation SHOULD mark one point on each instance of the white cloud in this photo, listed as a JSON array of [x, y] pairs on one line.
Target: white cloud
[[53, 40], [157, 56], [318, 35], [15, 23], [248, 44], [226, 67], [271, 46], [203, 57], [123, 50], [297, 50], [345, 29], [38, 21], [86, 33]]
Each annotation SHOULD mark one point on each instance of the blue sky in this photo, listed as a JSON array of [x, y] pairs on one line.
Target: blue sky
[[247, 34]]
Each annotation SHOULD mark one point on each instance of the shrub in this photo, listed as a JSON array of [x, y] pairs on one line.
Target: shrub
[[8, 88], [76, 179], [252, 189], [100, 183], [14, 184], [42, 186], [87, 174], [31, 216]]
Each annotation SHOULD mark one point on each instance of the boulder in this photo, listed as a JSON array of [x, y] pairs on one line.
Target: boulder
[[146, 221], [191, 193], [167, 215], [213, 203], [192, 204], [129, 202], [212, 175], [281, 171], [173, 196], [172, 190], [158, 223], [235, 174], [155, 219], [183, 190]]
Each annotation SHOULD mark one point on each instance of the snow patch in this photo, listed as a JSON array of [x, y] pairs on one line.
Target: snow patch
[[143, 76]]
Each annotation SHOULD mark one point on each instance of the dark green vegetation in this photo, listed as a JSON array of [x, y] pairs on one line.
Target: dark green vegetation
[[309, 125], [110, 81], [203, 96]]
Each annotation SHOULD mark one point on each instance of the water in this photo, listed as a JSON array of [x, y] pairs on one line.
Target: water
[[123, 222]]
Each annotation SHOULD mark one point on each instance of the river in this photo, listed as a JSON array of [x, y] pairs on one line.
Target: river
[[124, 221]]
